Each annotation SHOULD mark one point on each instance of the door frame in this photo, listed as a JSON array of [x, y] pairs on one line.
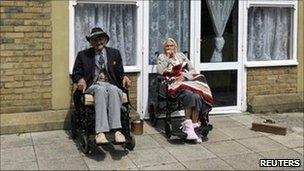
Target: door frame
[[238, 65], [195, 36]]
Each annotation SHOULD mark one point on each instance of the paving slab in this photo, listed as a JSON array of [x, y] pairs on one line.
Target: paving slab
[[292, 140], [148, 129], [145, 142], [68, 163], [240, 132], [190, 152], [28, 165], [249, 161], [151, 157], [283, 154], [258, 144], [207, 164], [224, 122], [55, 151], [164, 142], [170, 166], [109, 159], [50, 137], [16, 140], [300, 150], [217, 135], [246, 119], [226, 148], [18, 154]]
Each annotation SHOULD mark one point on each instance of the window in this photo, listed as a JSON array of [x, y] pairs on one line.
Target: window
[[271, 37], [219, 31], [168, 18], [118, 20]]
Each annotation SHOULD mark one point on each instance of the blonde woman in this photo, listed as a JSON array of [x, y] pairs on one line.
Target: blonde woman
[[192, 102]]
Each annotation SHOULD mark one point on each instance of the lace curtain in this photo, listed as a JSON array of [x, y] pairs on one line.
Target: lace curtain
[[168, 18], [268, 33], [220, 11], [118, 21]]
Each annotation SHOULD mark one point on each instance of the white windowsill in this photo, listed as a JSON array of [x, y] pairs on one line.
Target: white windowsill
[[271, 63], [129, 69]]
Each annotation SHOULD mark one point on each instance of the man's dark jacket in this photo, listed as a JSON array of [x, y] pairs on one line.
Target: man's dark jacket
[[84, 67]]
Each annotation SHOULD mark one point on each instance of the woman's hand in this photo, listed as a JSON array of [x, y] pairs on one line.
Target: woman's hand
[[170, 53], [81, 85], [180, 78]]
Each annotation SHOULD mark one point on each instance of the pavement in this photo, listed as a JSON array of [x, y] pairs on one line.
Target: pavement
[[231, 145]]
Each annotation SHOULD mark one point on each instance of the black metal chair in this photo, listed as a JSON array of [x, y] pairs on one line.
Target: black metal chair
[[167, 104], [83, 121]]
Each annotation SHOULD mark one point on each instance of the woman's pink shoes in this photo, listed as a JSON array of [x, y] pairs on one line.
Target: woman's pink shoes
[[188, 128]]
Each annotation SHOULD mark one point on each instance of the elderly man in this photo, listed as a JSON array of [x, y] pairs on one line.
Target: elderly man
[[99, 70]]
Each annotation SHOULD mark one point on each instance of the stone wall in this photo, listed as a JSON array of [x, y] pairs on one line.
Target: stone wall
[[271, 81], [26, 56]]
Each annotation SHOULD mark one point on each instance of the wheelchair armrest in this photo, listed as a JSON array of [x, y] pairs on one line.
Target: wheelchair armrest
[[89, 99], [160, 78]]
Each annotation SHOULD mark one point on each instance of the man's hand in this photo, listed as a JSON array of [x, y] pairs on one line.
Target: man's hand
[[126, 82], [81, 85]]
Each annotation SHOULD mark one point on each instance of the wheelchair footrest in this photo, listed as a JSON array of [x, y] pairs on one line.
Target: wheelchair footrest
[[180, 134]]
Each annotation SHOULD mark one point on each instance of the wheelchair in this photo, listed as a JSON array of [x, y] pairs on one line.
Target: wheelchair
[[165, 104], [83, 121]]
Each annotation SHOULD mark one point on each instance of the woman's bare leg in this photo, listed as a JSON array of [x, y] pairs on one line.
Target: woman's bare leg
[[188, 113], [195, 116]]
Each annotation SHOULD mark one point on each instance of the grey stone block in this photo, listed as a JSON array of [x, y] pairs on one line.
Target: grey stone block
[[292, 140], [29, 165], [224, 122], [145, 142], [249, 161], [18, 154], [299, 150], [190, 152], [240, 132], [53, 151], [261, 144], [16, 140], [164, 142], [150, 157], [50, 137], [217, 135], [289, 102], [283, 154], [170, 166], [207, 164], [68, 163], [226, 148]]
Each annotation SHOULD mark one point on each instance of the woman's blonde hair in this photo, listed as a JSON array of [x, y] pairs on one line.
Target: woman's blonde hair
[[172, 41]]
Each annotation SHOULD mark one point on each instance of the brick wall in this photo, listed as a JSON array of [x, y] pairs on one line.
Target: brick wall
[[271, 80], [26, 59]]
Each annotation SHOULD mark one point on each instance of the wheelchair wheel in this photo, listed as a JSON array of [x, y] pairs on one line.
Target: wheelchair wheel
[[130, 142], [168, 129], [73, 125], [152, 114], [205, 130], [84, 143]]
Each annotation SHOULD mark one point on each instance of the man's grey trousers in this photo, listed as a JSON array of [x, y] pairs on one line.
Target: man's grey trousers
[[108, 101]]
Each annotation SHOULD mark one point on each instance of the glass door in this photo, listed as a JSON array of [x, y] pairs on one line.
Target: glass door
[[219, 49], [168, 18]]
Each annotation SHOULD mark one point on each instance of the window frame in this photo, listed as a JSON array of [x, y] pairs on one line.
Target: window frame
[[294, 25], [139, 28]]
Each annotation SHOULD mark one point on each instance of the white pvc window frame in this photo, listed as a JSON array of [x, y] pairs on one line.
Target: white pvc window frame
[[140, 42], [72, 54], [294, 25]]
